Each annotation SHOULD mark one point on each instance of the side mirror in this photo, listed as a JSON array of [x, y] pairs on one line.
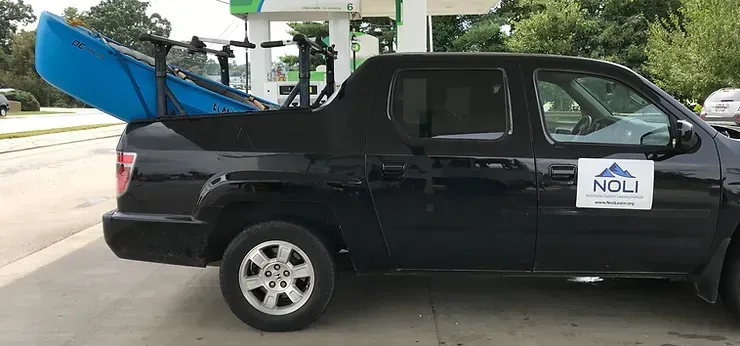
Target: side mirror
[[685, 137]]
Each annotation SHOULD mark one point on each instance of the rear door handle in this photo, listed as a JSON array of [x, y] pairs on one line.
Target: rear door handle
[[563, 173], [393, 171]]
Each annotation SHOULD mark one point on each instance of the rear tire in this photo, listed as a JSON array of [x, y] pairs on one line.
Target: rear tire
[[729, 288], [3, 111], [255, 261]]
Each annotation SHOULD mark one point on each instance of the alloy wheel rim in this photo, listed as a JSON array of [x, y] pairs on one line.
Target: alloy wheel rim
[[276, 277]]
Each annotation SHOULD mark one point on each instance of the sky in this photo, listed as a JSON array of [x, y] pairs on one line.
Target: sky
[[207, 18]]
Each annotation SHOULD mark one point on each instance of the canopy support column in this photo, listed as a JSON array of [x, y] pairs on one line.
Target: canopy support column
[[339, 36], [412, 26], [261, 62]]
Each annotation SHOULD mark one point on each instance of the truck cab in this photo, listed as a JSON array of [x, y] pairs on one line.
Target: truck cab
[[505, 164]]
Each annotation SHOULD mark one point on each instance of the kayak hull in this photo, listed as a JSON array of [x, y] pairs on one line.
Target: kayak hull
[[80, 63]]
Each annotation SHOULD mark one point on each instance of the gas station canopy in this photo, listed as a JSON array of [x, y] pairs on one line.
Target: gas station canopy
[[318, 9], [412, 17], [387, 8]]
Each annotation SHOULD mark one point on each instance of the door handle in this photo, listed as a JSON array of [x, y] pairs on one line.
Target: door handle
[[563, 173], [393, 171]]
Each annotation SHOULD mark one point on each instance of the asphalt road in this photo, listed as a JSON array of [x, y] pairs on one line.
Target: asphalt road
[[12, 124], [48, 194], [76, 292]]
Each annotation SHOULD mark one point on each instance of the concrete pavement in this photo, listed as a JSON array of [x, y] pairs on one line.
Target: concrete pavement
[[48, 194], [89, 297], [12, 124]]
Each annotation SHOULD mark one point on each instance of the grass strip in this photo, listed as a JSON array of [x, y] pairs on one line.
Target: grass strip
[[51, 131], [23, 114]]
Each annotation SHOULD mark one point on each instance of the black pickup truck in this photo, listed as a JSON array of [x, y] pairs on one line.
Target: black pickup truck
[[436, 163]]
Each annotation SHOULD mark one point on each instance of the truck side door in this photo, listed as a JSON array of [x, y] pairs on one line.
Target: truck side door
[[614, 195], [450, 166]]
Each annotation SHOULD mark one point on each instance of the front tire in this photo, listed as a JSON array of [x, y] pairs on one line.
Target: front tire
[[3, 112], [277, 276]]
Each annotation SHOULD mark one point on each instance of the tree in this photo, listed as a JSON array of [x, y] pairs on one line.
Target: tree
[[310, 29], [614, 30], [21, 74], [290, 61], [483, 34], [695, 53], [382, 28], [22, 57], [125, 21], [313, 30], [624, 27], [12, 14], [561, 27], [445, 31], [238, 70], [194, 62], [212, 68], [71, 13]]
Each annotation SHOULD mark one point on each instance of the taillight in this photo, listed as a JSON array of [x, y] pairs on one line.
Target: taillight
[[703, 113], [124, 168]]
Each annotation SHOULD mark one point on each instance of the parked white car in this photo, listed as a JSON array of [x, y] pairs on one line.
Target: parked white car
[[722, 106]]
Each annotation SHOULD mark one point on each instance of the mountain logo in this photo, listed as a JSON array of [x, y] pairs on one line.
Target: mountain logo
[[614, 171]]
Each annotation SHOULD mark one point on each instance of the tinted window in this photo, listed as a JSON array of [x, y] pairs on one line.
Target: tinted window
[[731, 95], [451, 104], [591, 109]]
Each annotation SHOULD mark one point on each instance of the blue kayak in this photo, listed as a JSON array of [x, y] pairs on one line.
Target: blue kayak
[[120, 81]]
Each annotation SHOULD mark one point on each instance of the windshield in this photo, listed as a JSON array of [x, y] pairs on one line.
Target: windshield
[[617, 98]]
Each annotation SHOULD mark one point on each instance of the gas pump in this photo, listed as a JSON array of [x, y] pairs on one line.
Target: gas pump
[[306, 48]]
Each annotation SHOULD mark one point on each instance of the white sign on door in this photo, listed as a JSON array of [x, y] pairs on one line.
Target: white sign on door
[[615, 184]]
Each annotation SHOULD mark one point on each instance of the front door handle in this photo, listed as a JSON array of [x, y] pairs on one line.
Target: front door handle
[[393, 171], [563, 173]]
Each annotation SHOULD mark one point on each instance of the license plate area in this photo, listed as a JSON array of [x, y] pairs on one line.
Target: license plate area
[[722, 108]]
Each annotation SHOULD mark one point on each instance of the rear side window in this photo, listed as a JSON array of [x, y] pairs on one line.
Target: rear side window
[[730, 95], [451, 104]]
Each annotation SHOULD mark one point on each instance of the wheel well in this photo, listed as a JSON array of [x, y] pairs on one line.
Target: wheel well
[[733, 247], [316, 217], [710, 281]]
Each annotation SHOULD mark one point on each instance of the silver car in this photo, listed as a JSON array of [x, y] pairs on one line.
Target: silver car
[[723, 106]]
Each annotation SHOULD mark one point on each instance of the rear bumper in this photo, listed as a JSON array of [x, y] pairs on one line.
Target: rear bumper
[[170, 239], [722, 117]]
